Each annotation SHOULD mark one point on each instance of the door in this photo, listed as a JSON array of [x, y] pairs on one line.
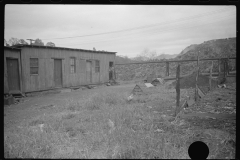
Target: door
[[111, 70], [58, 72], [13, 75], [89, 72]]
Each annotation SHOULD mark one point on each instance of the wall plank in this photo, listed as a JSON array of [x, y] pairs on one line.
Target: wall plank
[[45, 79]]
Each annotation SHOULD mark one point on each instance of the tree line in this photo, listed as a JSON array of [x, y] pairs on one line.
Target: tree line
[[38, 42]]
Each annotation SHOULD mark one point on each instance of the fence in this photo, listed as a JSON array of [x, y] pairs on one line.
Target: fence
[[224, 61]]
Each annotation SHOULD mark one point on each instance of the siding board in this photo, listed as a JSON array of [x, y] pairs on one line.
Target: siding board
[[46, 66]]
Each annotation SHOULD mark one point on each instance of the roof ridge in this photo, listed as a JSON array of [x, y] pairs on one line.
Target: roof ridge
[[26, 45]]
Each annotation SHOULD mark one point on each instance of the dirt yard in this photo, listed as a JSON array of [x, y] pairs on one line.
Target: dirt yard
[[103, 123]]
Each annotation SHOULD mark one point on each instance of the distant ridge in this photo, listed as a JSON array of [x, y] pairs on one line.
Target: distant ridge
[[217, 48]]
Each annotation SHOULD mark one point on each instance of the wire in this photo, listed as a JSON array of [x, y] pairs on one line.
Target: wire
[[148, 26], [175, 28]]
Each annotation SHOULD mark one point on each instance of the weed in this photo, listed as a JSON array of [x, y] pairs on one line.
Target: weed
[[74, 106], [68, 116], [92, 105], [36, 122]]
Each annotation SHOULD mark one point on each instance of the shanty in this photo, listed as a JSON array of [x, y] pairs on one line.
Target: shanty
[[29, 68]]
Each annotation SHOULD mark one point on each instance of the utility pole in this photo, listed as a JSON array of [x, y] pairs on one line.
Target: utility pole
[[31, 41]]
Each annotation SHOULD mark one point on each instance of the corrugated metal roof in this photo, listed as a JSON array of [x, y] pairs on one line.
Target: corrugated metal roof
[[49, 47]]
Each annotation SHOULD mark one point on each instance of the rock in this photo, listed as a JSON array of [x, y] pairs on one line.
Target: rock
[[130, 97]]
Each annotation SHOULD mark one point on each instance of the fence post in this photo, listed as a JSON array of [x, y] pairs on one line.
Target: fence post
[[219, 67], [224, 68], [196, 88], [227, 63], [115, 77], [167, 69], [177, 110], [210, 77]]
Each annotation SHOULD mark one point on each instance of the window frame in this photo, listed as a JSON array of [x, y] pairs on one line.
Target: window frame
[[34, 66], [73, 65], [97, 67]]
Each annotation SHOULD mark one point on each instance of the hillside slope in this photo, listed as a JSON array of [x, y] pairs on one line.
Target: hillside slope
[[218, 48], [210, 49]]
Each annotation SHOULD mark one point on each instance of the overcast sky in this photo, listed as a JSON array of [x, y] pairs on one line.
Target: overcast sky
[[133, 28]]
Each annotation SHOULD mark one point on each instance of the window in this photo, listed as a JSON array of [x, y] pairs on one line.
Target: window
[[33, 66], [97, 66], [72, 65]]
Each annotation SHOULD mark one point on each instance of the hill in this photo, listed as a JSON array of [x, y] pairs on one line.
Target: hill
[[155, 58], [218, 48], [210, 49], [123, 60]]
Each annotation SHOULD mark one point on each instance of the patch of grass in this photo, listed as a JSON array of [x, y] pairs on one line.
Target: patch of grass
[[116, 129], [74, 105], [69, 116], [47, 106], [36, 122]]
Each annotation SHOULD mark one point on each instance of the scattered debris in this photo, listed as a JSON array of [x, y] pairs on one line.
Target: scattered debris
[[184, 105], [41, 127], [113, 82], [222, 86], [108, 84], [89, 87], [159, 130], [157, 81], [20, 100], [8, 100], [83, 88], [47, 106], [137, 90], [130, 97], [200, 93], [111, 125], [76, 88], [190, 102], [148, 85]]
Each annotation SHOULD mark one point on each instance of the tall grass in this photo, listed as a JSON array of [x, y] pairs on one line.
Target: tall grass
[[103, 126]]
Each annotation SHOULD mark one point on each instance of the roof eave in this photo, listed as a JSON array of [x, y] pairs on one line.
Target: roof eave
[[21, 45]]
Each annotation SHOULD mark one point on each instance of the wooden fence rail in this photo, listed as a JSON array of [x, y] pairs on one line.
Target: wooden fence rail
[[187, 60]]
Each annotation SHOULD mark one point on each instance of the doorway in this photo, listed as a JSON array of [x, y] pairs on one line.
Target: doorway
[[89, 72], [111, 70], [58, 72], [13, 75]]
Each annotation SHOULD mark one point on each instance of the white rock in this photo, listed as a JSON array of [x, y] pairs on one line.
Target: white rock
[[130, 97]]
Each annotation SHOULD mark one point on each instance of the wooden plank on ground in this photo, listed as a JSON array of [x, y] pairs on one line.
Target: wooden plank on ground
[[184, 104], [200, 93], [137, 89]]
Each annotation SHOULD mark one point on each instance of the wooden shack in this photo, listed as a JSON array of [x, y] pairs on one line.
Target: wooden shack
[[12, 70], [45, 67]]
